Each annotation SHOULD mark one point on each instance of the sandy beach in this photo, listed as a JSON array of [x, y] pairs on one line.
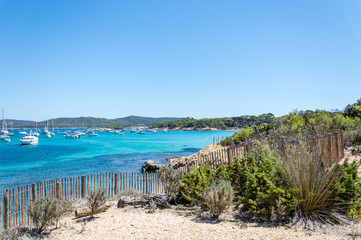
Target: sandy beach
[[183, 223]]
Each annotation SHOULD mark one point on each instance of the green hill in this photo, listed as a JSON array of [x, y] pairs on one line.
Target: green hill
[[89, 122]]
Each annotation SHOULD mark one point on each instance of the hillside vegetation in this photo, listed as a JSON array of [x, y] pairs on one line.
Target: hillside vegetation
[[310, 123], [219, 123], [90, 122]]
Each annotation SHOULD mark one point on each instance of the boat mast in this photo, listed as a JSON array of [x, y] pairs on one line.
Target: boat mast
[[3, 128]]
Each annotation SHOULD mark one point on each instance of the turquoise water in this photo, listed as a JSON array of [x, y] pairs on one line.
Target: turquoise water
[[59, 157]]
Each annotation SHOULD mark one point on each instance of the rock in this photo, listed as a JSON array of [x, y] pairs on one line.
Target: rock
[[150, 166], [83, 212], [129, 201], [160, 200]]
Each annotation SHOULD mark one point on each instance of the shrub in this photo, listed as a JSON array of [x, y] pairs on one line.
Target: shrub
[[15, 233], [170, 178], [238, 136], [194, 183], [314, 179], [96, 200], [152, 207], [353, 136], [218, 197], [265, 189], [62, 207], [348, 189], [44, 211]]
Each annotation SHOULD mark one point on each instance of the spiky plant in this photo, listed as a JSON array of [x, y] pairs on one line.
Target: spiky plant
[[314, 179]]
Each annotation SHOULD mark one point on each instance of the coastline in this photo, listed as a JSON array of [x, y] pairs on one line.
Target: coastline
[[196, 129]]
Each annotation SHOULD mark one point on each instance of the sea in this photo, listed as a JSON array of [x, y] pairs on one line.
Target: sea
[[58, 157]]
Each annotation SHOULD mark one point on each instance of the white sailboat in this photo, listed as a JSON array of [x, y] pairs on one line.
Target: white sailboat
[[3, 133], [46, 130], [11, 132], [36, 133], [53, 132]]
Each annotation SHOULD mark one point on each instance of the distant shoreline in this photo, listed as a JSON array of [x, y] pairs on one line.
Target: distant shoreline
[[195, 129]]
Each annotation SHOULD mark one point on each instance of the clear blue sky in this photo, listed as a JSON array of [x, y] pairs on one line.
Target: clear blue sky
[[177, 58]]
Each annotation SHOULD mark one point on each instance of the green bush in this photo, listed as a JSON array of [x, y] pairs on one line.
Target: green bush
[[353, 136], [46, 211], [194, 183], [289, 184], [347, 191], [265, 186], [218, 197], [96, 200], [239, 136], [170, 178]]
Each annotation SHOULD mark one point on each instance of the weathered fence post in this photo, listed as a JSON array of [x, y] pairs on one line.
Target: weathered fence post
[[83, 180], [33, 190], [58, 190], [146, 183], [229, 155], [115, 183], [214, 140], [6, 210]]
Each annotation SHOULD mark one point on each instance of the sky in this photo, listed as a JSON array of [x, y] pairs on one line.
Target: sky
[[66, 58]]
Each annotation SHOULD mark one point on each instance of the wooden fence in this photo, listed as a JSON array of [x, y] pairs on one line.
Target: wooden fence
[[214, 159], [329, 146], [15, 201]]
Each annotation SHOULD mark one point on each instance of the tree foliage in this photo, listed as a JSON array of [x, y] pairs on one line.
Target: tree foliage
[[219, 123]]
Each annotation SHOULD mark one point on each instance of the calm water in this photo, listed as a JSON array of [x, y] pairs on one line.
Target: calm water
[[59, 157]]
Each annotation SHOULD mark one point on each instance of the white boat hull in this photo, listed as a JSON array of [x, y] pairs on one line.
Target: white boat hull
[[29, 142]]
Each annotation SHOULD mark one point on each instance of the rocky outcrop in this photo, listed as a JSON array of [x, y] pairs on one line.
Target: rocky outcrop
[[151, 166], [177, 162]]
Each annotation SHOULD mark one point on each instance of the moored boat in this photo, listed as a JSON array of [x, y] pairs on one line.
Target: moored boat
[[29, 140], [4, 137], [71, 136], [4, 132], [92, 134]]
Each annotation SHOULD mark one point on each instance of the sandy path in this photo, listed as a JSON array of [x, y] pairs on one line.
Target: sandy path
[[131, 223]]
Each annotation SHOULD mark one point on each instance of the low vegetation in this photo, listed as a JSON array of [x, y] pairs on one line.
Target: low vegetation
[[170, 178], [46, 211], [219, 123], [96, 200], [306, 123], [218, 197], [295, 186]]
